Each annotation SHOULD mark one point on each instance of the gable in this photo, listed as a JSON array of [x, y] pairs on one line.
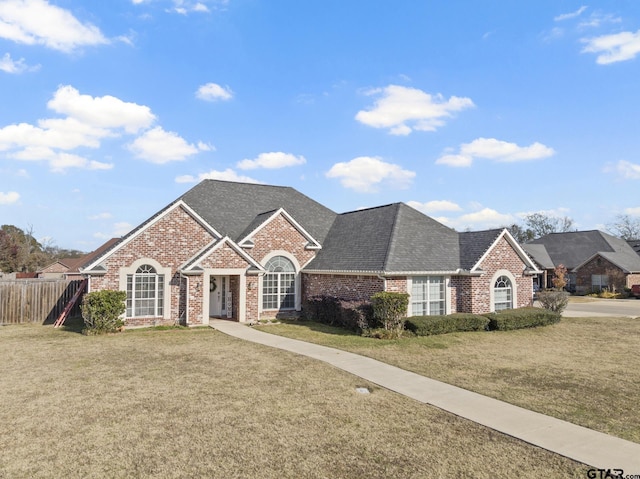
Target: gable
[[170, 237], [506, 251], [281, 228], [221, 254]]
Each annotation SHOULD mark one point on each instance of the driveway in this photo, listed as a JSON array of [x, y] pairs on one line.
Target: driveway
[[602, 307]]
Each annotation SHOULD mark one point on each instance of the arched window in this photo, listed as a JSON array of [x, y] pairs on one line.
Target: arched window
[[145, 292], [502, 294], [279, 284]]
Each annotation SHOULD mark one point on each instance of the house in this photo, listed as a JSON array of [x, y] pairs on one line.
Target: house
[[594, 260], [69, 268], [246, 251]]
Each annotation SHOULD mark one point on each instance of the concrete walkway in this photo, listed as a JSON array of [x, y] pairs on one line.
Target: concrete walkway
[[584, 445]]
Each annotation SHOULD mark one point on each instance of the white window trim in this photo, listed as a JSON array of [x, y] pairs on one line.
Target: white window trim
[[166, 272], [298, 288], [447, 293], [514, 288]]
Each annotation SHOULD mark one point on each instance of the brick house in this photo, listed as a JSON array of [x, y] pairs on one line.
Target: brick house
[[69, 268], [594, 260], [245, 252]]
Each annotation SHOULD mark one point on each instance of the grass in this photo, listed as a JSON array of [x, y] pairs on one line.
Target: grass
[[583, 370], [196, 403]]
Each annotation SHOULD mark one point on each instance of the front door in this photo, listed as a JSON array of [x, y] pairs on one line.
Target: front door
[[218, 295]]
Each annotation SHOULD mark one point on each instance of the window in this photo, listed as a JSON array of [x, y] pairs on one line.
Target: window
[[428, 296], [145, 292], [279, 284], [502, 294], [599, 282]]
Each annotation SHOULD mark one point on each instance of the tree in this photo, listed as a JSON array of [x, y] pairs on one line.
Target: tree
[[540, 224], [20, 251], [625, 227], [559, 277]]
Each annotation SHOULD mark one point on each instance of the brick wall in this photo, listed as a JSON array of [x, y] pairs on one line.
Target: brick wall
[[341, 286], [279, 235], [598, 265], [171, 241], [501, 257]]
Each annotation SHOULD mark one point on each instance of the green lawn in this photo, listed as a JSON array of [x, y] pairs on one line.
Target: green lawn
[[583, 370], [196, 403]]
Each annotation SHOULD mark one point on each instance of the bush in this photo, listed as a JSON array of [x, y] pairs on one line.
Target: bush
[[355, 315], [391, 310], [555, 301], [101, 311], [429, 325], [521, 318]]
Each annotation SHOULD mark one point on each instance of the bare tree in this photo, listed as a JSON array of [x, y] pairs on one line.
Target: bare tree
[[540, 224], [625, 227]]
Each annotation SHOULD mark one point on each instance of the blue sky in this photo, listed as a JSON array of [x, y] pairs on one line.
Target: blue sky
[[476, 113]]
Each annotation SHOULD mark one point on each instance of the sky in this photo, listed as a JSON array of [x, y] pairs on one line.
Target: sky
[[476, 113]]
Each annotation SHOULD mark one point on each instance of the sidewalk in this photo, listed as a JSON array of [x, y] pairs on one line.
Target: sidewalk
[[584, 445]]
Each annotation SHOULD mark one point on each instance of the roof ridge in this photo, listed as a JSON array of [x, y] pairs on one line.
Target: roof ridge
[[392, 236], [370, 208]]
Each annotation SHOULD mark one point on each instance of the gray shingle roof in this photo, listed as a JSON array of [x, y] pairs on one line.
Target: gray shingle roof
[[395, 238], [539, 254], [473, 244], [573, 248], [231, 208]]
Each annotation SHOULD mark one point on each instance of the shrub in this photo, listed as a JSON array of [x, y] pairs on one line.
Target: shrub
[[521, 318], [101, 311], [355, 315], [391, 310], [555, 301], [429, 325]]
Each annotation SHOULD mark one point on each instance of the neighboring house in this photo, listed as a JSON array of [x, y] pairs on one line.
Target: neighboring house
[[594, 259], [246, 251], [69, 268]]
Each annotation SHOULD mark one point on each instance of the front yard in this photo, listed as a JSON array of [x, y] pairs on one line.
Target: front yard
[[196, 403], [583, 370]]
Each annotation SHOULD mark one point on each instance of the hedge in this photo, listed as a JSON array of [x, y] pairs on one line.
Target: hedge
[[430, 325], [355, 315], [520, 318]]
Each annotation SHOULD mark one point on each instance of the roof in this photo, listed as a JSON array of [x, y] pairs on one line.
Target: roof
[[388, 239], [635, 244], [539, 254], [234, 209], [474, 244], [574, 248], [398, 238]]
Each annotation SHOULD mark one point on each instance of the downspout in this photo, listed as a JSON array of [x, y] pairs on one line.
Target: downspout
[[384, 281]]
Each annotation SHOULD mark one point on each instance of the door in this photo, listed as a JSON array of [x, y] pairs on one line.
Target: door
[[218, 296]]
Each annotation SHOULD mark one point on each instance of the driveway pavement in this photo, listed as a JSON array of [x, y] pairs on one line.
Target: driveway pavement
[[603, 307]]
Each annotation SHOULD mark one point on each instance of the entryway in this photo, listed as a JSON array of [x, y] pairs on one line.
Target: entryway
[[220, 298]]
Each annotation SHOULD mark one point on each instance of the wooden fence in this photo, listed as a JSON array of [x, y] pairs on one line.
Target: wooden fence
[[36, 300]]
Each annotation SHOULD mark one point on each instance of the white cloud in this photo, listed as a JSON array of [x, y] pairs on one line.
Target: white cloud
[[9, 197], [100, 216], [365, 174], [483, 219], [36, 22], [596, 19], [8, 65], [226, 175], [625, 169], [101, 112], [567, 16], [497, 150], [402, 110], [214, 92], [613, 48], [59, 161], [432, 206], [121, 228], [160, 146], [202, 146], [273, 160], [633, 211]]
